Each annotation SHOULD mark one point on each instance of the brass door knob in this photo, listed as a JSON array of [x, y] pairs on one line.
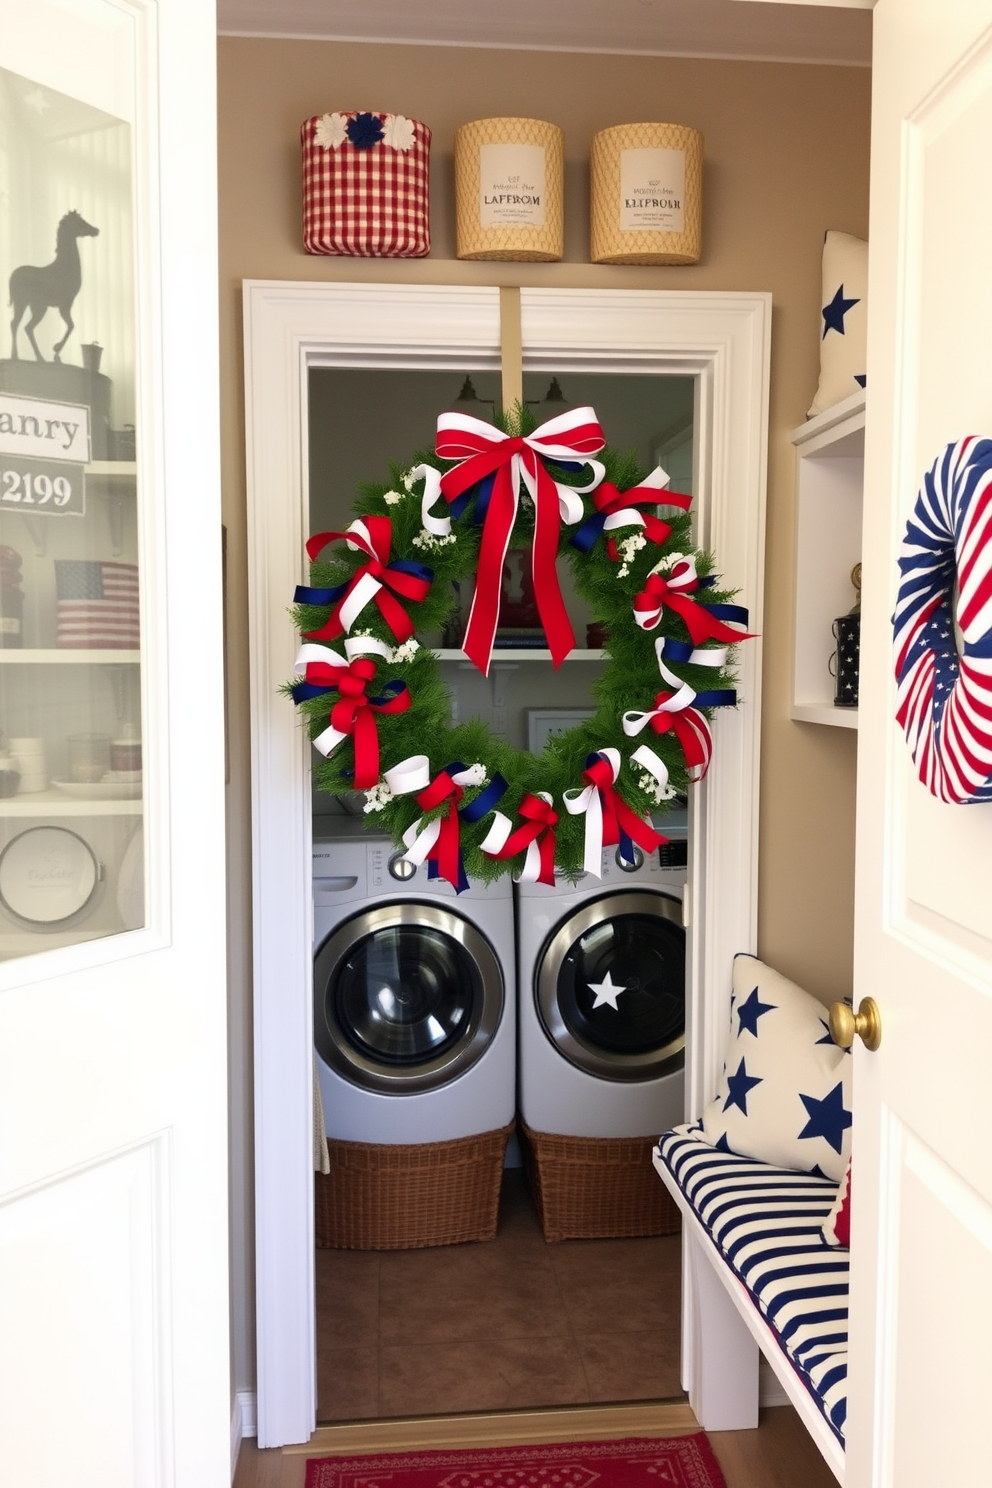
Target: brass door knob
[[866, 1023]]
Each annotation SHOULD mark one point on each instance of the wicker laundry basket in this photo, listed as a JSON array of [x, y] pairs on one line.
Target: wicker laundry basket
[[596, 1188], [379, 1196]]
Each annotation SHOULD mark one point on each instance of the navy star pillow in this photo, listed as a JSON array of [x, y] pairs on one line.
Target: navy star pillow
[[843, 320], [785, 1095]]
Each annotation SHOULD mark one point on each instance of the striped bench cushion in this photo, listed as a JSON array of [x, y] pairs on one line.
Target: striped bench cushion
[[765, 1222]]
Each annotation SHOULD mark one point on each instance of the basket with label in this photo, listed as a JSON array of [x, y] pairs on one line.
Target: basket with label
[[366, 183], [509, 190], [646, 187]]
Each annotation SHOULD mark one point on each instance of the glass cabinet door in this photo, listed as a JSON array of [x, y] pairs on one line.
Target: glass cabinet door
[[71, 841]]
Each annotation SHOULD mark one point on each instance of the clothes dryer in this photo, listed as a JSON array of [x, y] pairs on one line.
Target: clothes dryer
[[601, 972], [414, 996]]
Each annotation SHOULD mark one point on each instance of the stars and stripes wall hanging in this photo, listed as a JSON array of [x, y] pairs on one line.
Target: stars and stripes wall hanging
[[96, 605], [942, 626]]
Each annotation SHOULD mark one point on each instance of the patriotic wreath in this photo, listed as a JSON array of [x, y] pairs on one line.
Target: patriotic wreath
[[944, 693], [378, 711]]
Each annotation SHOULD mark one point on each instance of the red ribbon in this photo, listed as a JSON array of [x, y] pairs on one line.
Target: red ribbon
[[609, 500], [689, 727], [541, 820], [617, 815], [353, 713], [483, 451], [446, 850], [410, 586], [676, 592]]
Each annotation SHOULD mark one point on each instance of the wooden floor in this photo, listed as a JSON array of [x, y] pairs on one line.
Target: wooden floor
[[778, 1454]]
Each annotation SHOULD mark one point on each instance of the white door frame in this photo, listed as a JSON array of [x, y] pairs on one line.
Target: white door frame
[[722, 340]]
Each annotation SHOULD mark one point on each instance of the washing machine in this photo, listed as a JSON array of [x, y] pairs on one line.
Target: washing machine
[[602, 979], [414, 995]]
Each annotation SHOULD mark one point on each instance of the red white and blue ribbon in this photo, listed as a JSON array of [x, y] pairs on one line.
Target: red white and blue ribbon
[[438, 842], [353, 715], [616, 509], [609, 819], [944, 688], [676, 590], [378, 581], [536, 838], [496, 464]]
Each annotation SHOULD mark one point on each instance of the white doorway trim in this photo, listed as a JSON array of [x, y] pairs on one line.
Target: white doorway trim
[[722, 340]]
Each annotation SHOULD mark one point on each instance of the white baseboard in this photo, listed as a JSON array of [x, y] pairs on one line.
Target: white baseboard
[[770, 1391], [244, 1422]]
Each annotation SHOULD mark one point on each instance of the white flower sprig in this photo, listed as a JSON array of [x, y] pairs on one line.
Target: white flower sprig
[[669, 561], [378, 798], [407, 651], [627, 547], [658, 793], [428, 541], [408, 480], [392, 497]]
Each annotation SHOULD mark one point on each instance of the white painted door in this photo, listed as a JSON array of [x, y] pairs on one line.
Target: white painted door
[[113, 1169], [921, 1371]]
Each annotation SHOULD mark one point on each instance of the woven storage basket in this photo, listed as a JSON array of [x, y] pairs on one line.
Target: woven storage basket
[[384, 1197], [596, 1188], [646, 190], [368, 202], [509, 190]]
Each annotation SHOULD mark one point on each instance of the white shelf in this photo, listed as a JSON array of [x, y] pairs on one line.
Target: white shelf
[[70, 656], [125, 469], [829, 498], [56, 803], [519, 653], [838, 717]]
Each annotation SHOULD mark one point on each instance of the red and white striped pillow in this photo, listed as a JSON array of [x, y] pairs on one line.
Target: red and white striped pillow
[[837, 1225]]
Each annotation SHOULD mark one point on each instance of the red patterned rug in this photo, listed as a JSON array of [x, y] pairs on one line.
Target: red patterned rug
[[637, 1462]]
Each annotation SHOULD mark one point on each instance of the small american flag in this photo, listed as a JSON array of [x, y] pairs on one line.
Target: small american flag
[[97, 605]]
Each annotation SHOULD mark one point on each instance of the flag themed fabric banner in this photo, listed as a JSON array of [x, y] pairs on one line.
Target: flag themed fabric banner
[[97, 605]]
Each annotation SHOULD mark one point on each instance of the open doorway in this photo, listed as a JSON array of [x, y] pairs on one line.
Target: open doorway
[[522, 1319]]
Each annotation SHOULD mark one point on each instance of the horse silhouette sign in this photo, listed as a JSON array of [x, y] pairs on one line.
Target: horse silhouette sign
[[57, 284]]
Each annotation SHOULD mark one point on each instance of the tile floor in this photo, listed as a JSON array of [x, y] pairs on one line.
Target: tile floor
[[507, 1325]]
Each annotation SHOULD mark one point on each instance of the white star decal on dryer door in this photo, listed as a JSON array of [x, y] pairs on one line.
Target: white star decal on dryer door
[[606, 992]]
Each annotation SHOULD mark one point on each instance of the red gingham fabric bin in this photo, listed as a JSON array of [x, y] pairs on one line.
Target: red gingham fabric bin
[[367, 199]]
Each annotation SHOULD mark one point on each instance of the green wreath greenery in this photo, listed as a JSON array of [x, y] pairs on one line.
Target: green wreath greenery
[[630, 680]]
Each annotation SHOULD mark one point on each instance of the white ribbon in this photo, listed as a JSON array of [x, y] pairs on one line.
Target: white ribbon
[[437, 526], [326, 742], [500, 830], [644, 755], [631, 516], [368, 585], [414, 775], [585, 801]]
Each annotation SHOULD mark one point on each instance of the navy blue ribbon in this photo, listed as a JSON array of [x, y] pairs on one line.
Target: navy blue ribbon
[[483, 803]]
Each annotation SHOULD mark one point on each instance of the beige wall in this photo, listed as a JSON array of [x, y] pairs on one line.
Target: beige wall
[[786, 157]]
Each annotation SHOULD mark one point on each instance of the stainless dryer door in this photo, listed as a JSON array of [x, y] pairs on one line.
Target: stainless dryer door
[[406, 997], [610, 986]]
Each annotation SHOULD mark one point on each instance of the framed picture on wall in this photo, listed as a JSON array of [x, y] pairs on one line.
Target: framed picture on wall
[[542, 723]]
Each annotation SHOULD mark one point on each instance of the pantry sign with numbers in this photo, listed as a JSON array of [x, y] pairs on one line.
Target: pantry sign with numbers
[[44, 451]]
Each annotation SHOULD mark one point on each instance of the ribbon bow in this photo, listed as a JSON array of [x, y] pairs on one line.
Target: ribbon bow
[[438, 842], [352, 716], [537, 835], [615, 509], [608, 818], [674, 712], [485, 454], [675, 591], [371, 582]]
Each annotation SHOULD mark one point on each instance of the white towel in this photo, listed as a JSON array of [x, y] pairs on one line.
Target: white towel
[[321, 1161]]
